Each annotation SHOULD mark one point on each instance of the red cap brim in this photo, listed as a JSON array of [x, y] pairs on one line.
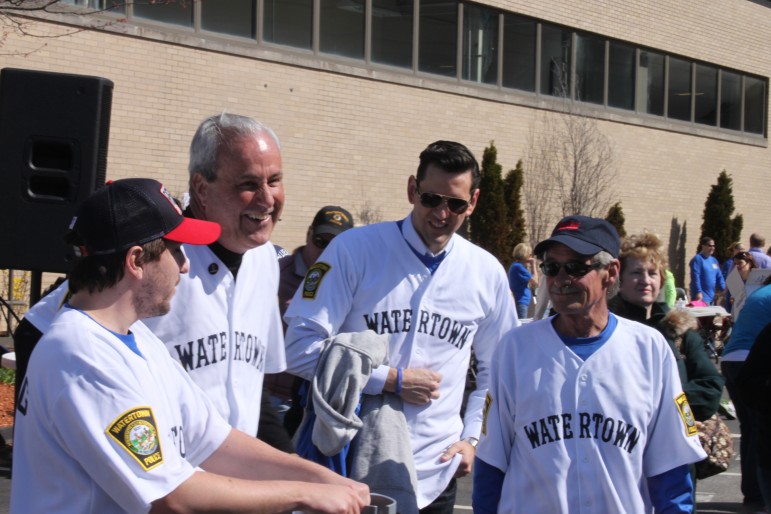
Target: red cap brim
[[195, 232]]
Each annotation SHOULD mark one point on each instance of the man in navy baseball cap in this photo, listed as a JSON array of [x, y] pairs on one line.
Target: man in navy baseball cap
[[583, 235]]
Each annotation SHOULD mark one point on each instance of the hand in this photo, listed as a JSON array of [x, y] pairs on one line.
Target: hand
[[420, 386], [467, 453], [334, 499]]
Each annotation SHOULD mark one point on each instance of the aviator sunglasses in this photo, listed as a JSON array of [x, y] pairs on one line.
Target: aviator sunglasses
[[575, 269], [433, 200]]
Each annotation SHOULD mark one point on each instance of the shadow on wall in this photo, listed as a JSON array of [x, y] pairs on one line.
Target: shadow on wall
[[677, 238]]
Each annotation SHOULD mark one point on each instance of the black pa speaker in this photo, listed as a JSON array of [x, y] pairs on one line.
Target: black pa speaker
[[54, 132]]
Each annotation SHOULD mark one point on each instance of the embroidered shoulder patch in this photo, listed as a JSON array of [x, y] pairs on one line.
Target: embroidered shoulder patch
[[488, 404], [135, 430], [686, 413], [313, 279]]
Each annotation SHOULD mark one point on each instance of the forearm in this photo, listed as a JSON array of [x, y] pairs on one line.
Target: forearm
[[209, 492], [237, 455]]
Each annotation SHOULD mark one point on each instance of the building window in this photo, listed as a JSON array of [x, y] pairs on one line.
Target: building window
[[438, 51], [519, 35], [555, 60], [342, 28], [621, 66], [705, 109], [480, 44], [730, 100], [392, 23], [754, 105], [650, 83], [177, 13], [590, 69], [288, 22], [679, 91], [235, 17]]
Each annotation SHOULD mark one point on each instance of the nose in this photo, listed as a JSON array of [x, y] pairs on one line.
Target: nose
[[263, 196], [185, 267]]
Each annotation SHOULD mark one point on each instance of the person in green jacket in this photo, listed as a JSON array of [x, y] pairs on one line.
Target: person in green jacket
[[642, 276]]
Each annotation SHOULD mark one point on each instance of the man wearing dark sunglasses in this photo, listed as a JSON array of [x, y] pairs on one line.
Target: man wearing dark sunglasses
[[584, 410], [436, 296], [706, 276]]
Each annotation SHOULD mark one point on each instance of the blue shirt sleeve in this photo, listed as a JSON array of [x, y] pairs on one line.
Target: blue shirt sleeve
[[671, 492], [488, 484]]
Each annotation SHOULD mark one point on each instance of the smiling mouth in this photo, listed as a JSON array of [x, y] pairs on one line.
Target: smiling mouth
[[258, 219]]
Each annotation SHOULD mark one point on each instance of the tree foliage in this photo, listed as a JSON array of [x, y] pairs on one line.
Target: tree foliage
[[512, 194], [717, 221], [616, 218], [489, 224]]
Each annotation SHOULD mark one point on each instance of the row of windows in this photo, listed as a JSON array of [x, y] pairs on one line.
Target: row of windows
[[478, 44]]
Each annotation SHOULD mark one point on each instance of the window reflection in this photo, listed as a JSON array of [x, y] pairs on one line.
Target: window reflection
[[438, 37], [590, 69], [480, 44], [288, 22], [342, 27], [519, 36], [679, 103], [555, 60], [236, 17], [392, 22]]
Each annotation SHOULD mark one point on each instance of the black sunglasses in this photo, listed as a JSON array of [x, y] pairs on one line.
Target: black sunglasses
[[575, 269], [433, 200], [321, 242]]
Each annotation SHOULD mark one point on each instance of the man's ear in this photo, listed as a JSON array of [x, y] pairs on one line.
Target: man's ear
[[473, 202], [614, 272], [412, 188], [132, 263], [198, 189]]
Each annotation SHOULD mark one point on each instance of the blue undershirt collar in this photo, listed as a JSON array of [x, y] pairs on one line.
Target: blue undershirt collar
[[584, 347], [128, 339]]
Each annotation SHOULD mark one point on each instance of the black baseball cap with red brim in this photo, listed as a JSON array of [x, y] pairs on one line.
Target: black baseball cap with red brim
[[134, 211]]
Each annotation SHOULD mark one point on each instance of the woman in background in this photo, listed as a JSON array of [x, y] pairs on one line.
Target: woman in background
[[523, 275], [642, 276]]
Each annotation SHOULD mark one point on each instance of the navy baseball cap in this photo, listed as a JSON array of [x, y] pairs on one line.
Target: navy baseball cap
[[134, 211], [331, 219], [584, 235]]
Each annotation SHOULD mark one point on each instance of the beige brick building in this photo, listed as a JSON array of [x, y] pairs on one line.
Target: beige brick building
[[352, 129]]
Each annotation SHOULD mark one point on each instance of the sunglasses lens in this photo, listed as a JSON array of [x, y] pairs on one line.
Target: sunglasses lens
[[430, 200], [572, 268], [457, 205], [433, 200]]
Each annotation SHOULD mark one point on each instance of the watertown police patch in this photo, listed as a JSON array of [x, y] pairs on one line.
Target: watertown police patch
[[687, 414], [313, 279], [135, 430]]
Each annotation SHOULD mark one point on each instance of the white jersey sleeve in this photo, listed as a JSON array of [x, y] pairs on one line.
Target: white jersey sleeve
[[102, 429]]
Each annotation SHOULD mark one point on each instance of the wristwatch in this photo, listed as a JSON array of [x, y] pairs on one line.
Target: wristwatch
[[473, 441]]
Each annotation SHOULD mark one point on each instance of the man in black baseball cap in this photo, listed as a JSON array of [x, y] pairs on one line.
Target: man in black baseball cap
[[107, 421]]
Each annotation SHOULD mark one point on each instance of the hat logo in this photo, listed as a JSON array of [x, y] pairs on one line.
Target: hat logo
[[568, 225], [165, 192]]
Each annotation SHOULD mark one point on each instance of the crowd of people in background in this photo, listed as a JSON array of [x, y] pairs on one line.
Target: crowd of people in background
[[184, 341]]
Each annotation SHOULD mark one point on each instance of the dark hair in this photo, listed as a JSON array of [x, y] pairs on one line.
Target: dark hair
[[451, 157], [705, 240], [96, 273]]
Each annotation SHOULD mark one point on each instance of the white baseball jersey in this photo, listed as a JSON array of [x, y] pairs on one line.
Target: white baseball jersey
[[100, 429], [227, 333], [582, 436], [369, 278]]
